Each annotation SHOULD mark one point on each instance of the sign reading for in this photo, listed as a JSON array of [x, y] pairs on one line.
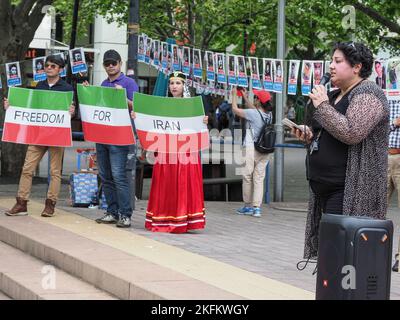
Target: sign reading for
[[105, 115]]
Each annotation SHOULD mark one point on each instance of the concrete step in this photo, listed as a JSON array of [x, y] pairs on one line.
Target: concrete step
[[4, 297], [121, 274], [23, 277]]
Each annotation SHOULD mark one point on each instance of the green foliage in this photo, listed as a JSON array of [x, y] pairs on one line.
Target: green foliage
[[311, 26]]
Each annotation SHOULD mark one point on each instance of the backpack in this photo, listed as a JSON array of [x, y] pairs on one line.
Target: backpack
[[265, 142]]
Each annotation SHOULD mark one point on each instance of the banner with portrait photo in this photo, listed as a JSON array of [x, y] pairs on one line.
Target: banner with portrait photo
[[294, 66], [232, 80], [156, 53], [379, 73], [330, 85], [268, 79], [210, 63], [13, 73], [306, 77], [39, 73], [221, 73], [197, 64], [241, 72], [186, 60], [392, 74], [176, 65], [318, 72], [141, 48], [254, 73], [164, 56], [147, 57], [78, 61], [277, 68]]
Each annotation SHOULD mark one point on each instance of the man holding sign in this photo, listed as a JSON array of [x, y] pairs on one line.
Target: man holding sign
[[112, 158], [36, 123]]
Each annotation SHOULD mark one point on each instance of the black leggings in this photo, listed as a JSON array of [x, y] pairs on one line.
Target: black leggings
[[331, 196]]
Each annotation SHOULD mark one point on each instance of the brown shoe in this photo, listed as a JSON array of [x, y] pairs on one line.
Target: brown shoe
[[19, 209], [49, 208]]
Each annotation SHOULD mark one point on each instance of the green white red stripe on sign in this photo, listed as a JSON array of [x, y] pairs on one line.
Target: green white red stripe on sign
[[38, 117], [170, 125], [105, 115]]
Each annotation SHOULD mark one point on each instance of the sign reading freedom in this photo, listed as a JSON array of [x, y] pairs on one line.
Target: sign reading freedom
[[38, 117], [105, 115], [170, 125]]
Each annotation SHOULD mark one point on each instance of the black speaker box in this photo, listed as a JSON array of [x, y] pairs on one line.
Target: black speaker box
[[354, 258]]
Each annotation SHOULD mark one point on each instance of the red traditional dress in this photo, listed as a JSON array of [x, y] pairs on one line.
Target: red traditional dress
[[176, 202]]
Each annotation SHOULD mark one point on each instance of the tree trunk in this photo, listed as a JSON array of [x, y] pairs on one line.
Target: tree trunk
[[18, 25]]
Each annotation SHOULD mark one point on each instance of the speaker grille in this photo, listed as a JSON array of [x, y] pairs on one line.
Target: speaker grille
[[372, 285]]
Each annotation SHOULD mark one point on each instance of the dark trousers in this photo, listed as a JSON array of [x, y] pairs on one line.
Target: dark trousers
[[331, 196]]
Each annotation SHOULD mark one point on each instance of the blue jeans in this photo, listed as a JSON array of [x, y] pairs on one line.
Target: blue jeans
[[111, 162]]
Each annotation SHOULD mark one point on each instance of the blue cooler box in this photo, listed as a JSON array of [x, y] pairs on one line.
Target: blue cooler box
[[83, 189]]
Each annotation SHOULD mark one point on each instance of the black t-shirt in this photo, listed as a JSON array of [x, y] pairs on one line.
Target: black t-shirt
[[328, 164], [60, 85]]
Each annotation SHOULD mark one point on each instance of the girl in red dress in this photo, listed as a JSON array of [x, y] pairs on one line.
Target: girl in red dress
[[176, 202]]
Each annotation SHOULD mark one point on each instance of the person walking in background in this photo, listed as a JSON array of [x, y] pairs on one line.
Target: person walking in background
[[53, 67], [112, 159], [348, 141], [255, 162]]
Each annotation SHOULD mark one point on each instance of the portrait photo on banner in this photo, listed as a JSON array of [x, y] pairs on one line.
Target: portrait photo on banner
[[232, 80], [268, 78], [13, 74]]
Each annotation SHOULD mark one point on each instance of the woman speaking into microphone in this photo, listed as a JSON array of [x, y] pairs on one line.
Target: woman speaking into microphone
[[347, 137]]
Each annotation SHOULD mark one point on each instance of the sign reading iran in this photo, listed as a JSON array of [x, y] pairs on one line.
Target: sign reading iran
[[38, 117], [105, 115], [170, 125]]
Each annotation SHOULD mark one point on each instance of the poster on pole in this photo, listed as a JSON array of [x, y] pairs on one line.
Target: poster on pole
[[255, 73], [141, 48], [197, 64], [186, 61], [147, 57], [221, 74], [176, 65], [156, 53], [78, 61], [241, 72], [306, 75], [293, 76], [318, 71], [164, 56], [392, 74], [278, 75], [232, 80], [13, 73], [268, 80], [210, 63]]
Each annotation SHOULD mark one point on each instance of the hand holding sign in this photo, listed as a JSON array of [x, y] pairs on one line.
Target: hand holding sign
[[6, 104]]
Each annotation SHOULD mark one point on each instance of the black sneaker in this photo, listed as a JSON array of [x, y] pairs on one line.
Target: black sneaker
[[124, 222], [107, 218]]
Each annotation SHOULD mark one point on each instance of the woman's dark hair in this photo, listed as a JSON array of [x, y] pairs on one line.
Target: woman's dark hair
[[355, 53]]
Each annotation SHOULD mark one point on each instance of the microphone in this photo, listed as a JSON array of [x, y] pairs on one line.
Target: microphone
[[325, 79]]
